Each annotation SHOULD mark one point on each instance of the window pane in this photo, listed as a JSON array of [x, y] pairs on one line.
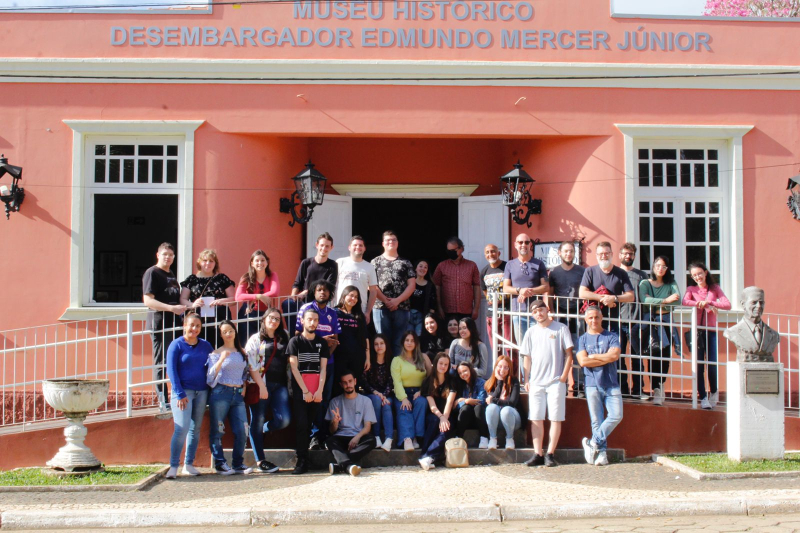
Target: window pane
[[713, 176], [644, 154], [144, 171], [644, 257], [688, 208], [100, 149], [658, 207], [666, 251], [151, 149], [662, 230], [700, 207], [127, 166], [699, 175], [692, 155], [100, 171], [658, 175], [713, 208], [696, 253], [669, 208], [644, 175], [644, 207], [158, 171], [172, 150], [713, 229], [712, 154], [113, 170], [123, 149], [172, 171], [644, 229], [695, 229], [686, 175], [714, 261], [672, 175], [665, 154]]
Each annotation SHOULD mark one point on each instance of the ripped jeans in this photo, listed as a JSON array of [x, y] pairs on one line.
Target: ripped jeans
[[227, 402]]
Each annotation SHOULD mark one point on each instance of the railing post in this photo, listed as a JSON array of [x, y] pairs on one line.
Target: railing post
[[694, 357], [129, 368], [495, 341]]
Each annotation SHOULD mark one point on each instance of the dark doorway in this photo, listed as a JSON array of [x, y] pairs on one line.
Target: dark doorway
[[422, 226]]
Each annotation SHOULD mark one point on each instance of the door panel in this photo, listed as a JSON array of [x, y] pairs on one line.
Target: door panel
[[335, 216]]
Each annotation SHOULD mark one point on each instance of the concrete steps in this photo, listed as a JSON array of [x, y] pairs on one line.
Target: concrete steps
[[285, 458]]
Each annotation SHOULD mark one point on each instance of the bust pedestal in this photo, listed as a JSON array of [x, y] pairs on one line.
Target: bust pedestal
[[755, 411]]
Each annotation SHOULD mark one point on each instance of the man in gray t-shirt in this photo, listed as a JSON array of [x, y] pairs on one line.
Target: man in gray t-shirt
[[629, 331], [547, 351], [351, 416]]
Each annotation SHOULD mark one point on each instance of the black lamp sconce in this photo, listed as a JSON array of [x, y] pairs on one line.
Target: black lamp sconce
[[516, 190], [794, 197], [14, 196], [309, 192]]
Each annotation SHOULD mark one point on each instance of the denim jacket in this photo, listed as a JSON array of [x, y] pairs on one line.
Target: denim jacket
[[478, 392]]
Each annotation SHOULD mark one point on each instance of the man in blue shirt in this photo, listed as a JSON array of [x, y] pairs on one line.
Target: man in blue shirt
[[598, 352], [525, 279]]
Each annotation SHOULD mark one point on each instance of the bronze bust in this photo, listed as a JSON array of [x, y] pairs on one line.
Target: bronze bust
[[755, 341]]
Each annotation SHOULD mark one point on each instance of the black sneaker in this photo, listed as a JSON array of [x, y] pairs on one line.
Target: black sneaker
[[267, 467], [314, 444], [301, 467], [536, 460], [549, 460], [334, 468]]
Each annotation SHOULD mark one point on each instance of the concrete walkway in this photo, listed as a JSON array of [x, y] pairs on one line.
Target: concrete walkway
[[406, 494]]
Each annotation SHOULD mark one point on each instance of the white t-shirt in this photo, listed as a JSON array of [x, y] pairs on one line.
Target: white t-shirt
[[361, 274], [547, 349]]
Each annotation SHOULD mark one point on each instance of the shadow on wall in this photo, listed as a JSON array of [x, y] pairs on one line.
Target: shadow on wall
[[32, 210]]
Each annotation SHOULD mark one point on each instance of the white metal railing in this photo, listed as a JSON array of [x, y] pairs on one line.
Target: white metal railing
[[681, 379], [117, 348]]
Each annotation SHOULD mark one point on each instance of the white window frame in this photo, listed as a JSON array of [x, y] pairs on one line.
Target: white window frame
[[731, 183], [86, 132]]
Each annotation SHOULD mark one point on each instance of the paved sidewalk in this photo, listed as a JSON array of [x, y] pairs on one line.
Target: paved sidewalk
[[391, 494]]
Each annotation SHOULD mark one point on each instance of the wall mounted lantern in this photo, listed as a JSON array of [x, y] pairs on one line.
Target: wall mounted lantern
[[794, 198], [309, 192], [11, 197], [516, 190]]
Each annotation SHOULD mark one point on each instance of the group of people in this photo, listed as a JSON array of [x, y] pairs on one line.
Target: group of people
[[378, 364]]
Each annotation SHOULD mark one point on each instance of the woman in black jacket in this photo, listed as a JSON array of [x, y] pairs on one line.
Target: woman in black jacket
[[502, 402]]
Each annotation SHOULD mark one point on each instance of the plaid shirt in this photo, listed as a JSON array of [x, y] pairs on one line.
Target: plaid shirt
[[457, 281]]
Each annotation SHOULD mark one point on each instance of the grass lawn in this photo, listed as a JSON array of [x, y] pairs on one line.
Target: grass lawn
[[114, 475], [718, 463]]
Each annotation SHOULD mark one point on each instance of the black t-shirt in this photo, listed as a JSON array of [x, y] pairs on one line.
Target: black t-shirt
[[276, 372], [492, 281], [165, 288], [308, 353], [353, 338], [616, 281], [214, 286], [430, 344], [311, 271]]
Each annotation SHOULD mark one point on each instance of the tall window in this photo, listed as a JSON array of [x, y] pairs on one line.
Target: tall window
[[680, 207]]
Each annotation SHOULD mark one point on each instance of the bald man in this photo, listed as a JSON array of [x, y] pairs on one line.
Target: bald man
[[525, 279], [492, 283]]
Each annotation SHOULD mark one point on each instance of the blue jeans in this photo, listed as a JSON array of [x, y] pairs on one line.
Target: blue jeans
[[707, 357], [509, 416], [392, 324], [433, 444], [384, 417], [278, 401], [227, 402], [187, 426], [598, 398], [411, 424], [666, 337], [415, 320], [521, 325]]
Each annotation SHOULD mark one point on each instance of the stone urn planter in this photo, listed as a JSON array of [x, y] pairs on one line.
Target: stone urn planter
[[75, 398]]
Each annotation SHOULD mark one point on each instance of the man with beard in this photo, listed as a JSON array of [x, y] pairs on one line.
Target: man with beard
[[565, 283], [628, 330], [351, 417], [608, 285]]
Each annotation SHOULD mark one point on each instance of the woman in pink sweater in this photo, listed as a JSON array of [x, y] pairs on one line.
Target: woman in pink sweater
[[708, 297], [254, 293]]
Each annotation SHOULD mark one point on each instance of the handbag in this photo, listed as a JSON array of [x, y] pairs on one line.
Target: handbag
[[251, 394], [456, 454]]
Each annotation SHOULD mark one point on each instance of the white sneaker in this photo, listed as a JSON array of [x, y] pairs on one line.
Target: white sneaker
[[589, 451], [408, 445], [658, 396], [387, 445], [509, 444], [713, 398], [602, 459], [644, 396], [492, 443], [354, 470], [190, 470], [416, 444], [172, 473], [705, 404], [426, 463], [483, 444], [378, 443]]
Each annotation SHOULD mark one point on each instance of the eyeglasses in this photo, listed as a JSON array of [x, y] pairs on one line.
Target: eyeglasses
[[603, 254], [273, 318], [628, 254], [523, 242]]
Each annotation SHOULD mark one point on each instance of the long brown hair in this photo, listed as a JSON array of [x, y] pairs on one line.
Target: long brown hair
[[249, 278], [431, 382], [491, 383]]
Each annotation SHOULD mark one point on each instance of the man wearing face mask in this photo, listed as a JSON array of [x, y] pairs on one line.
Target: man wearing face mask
[[458, 284]]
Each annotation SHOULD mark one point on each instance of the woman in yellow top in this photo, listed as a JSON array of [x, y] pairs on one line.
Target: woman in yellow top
[[408, 370]]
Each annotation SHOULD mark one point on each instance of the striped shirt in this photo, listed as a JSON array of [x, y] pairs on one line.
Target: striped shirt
[[309, 353]]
